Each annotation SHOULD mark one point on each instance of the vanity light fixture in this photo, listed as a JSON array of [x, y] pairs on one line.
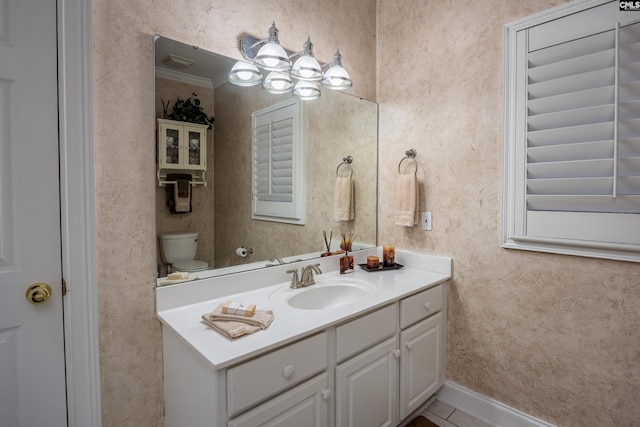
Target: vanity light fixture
[[245, 74], [336, 77], [267, 54], [277, 82], [306, 90], [271, 55], [307, 67]]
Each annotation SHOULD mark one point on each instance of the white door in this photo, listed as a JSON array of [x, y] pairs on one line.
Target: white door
[[32, 365]]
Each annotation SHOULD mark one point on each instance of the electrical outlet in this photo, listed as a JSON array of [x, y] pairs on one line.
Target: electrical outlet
[[426, 221]]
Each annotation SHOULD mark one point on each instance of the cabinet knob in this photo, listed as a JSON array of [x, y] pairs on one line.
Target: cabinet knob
[[326, 393], [427, 305], [396, 352], [288, 371], [409, 345]]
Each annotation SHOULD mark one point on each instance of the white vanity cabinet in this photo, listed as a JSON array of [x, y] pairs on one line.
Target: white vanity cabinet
[[422, 346], [182, 145], [367, 387], [373, 369], [367, 372], [305, 405], [253, 382]]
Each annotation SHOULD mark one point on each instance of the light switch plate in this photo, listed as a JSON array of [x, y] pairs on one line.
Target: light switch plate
[[426, 221]]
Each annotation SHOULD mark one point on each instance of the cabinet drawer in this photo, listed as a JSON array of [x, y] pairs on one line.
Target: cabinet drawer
[[420, 306], [306, 405], [366, 331], [254, 381]]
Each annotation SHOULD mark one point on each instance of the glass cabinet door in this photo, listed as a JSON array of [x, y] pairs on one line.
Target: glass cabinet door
[[182, 145], [170, 152], [173, 146], [195, 148]]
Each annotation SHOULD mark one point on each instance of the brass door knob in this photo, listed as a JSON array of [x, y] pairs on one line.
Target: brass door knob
[[38, 293]]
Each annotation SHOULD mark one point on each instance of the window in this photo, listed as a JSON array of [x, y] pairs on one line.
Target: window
[[278, 163], [571, 168]]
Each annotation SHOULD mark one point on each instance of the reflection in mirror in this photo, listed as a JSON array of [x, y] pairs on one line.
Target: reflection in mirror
[[335, 126]]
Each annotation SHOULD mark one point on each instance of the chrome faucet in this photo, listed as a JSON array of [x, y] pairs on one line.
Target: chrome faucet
[[306, 277], [277, 258]]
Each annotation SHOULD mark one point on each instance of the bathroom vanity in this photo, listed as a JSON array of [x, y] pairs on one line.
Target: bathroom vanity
[[371, 356]]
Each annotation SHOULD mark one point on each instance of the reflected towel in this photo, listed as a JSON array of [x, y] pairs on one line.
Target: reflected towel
[[182, 195], [343, 199], [406, 200], [234, 326]]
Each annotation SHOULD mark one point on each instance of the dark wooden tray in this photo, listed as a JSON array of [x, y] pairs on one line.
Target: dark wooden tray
[[381, 267]]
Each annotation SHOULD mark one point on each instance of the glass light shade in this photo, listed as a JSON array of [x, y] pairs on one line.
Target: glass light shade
[[306, 90], [244, 74], [277, 83], [307, 68], [336, 78], [272, 57]]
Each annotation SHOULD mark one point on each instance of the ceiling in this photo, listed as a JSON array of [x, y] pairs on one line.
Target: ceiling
[[208, 69]]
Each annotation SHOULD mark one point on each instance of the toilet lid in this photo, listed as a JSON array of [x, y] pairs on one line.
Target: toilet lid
[[190, 265]]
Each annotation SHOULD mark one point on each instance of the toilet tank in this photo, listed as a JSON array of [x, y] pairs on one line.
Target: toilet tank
[[178, 246]]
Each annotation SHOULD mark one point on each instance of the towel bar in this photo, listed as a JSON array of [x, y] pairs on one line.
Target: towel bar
[[345, 161], [190, 182], [409, 155]]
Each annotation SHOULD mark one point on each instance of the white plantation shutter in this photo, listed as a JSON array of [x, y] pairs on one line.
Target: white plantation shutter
[[278, 163], [572, 133], [274, 161]]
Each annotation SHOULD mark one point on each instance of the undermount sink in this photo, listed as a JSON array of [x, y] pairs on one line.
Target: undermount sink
[[333, 294]]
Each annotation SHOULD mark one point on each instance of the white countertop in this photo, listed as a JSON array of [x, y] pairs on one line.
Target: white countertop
[[180, 307]]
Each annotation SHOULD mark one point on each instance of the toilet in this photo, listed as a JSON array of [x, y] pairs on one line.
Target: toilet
[[179, 250]]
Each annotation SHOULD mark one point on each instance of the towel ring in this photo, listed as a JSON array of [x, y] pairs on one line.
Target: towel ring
[[409, 155], [346, 161]]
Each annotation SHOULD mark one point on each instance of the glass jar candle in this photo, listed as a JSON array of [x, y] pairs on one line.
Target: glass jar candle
[[388, 255]]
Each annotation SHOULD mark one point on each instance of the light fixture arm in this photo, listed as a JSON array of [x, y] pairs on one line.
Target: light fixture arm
[[308, 47], [273, 33], [337, 60]]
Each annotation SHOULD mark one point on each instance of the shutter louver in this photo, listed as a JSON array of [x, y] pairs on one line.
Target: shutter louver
[[583, 139], [273, 161]]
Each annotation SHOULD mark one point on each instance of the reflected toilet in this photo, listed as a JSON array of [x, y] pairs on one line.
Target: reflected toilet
[[178, 251]]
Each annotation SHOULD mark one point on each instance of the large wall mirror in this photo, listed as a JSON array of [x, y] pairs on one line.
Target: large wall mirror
[[336, 126]]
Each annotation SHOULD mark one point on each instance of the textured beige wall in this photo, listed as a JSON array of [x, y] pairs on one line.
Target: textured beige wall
[[124, 135], [554, 336]]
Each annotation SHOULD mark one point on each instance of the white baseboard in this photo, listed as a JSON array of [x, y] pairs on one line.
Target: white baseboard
[[484, 408]]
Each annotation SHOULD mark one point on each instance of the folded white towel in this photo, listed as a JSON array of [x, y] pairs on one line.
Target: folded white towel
[[343, 199], [234, 326], [406, 200]]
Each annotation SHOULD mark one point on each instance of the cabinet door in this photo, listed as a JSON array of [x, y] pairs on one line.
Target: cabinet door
[[195, 148], [305, 405], [421, 363], [170, 151], [367, 387]]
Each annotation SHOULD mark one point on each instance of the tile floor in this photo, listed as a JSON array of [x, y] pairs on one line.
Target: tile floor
[[445, 416]]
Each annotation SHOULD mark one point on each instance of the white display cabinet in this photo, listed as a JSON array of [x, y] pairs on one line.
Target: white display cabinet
[[182, 148]]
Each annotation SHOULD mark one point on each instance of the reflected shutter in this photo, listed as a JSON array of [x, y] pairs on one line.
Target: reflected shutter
[[278, 163], [274, 161]]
